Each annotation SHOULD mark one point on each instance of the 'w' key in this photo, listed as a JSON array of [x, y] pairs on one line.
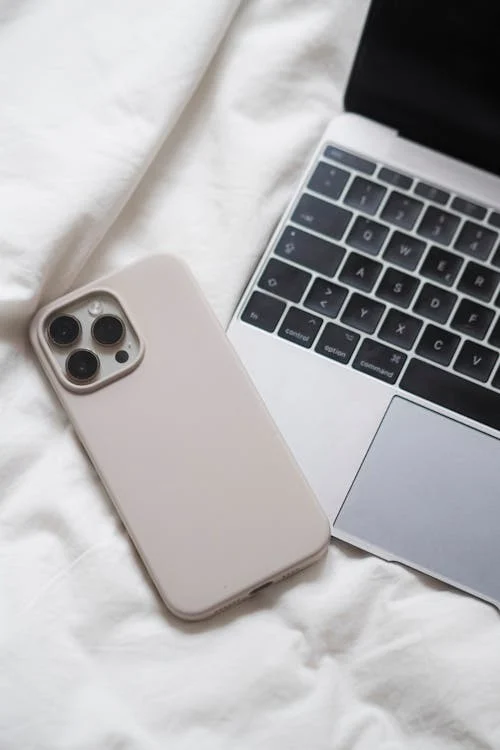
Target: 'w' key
[[404, 251]]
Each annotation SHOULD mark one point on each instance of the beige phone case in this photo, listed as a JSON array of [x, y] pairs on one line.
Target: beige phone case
[[197, 470]]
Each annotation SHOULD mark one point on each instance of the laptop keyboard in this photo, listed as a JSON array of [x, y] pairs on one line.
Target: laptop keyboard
[[392, 276]]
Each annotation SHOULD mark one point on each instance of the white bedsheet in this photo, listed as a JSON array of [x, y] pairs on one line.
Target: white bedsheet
[[130, 127]]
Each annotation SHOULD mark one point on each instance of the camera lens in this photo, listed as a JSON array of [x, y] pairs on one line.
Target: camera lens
[[64, 330], [108, 330], [82, 365]]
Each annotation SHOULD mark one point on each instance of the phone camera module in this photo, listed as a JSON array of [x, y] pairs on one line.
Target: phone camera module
[[122, 356], [82, 365], [64, 330], [108, 330]]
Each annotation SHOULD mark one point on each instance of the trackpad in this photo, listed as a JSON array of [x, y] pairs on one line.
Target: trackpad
[[428, 493]]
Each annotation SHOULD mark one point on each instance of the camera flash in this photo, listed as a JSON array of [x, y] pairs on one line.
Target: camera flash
[[95, 308]]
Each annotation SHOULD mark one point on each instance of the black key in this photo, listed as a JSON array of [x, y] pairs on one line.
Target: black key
[[434, 194], [496, 380], [300, 327], [350, 160], [379, 361], [400, 329], [438, 225], [365, 195], [310, 251], [404, 250], [494, 338], [452, 392], [475, 240], [472, 319], [326, 298], [496, 257], [328, 180], [367, 235], [468, 208], [441, 265], [337, 343], [284, 280], [435, 303], [397, 287], [395, 178], [476, 361], [494, 219], [438, 345], [360, 271], [263, 311], [321, 216], [362, 313], [479, 281], [401, 210]]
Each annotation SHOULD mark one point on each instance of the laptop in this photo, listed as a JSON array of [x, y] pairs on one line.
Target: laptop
[[371, 325]]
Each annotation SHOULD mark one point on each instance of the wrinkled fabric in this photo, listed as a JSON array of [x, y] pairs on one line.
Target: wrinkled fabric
[[129, 128]]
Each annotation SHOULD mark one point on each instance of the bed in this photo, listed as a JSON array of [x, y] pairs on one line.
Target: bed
[[132, 128]]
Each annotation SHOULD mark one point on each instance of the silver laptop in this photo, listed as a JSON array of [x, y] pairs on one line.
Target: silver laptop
[[371, 326]]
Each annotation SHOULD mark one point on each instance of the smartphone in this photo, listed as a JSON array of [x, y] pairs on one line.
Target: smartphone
[[199, 474]]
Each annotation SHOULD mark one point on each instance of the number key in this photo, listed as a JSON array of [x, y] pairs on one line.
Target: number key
[[365, 195], [475, 240], [496, 257], [401, 210], [438, 225]]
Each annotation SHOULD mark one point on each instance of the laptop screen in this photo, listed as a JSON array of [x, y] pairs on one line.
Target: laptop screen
[[432, 71]]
